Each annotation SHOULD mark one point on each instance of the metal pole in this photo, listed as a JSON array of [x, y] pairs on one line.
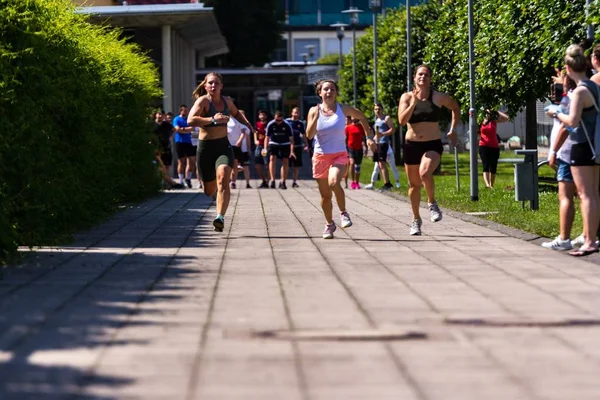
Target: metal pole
[[341, 55], [354, 63], [590, 28], [375, 96], [408, 51], [472, 111]]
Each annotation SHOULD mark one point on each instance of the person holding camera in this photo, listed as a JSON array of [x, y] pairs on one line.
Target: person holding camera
[[489, 148]]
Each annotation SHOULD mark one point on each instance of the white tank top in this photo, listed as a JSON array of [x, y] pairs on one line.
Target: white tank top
[[331, 132]]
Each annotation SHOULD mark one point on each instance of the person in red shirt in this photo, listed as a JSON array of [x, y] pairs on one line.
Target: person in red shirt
[[489, 148], [259, 139], [355, 137]]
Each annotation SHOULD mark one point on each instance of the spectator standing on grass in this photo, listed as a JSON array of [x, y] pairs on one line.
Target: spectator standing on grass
[[489, 146], [355, 138], [582, 117]]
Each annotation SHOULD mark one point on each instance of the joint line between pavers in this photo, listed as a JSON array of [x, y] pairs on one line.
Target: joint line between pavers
[[300, 374]]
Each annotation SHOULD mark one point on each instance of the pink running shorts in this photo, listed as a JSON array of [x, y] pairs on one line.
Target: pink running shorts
[[322, 162]]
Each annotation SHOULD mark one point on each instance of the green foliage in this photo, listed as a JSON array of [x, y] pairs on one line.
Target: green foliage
[[391, 59], [252, 30], [329, 59], [517, 46], [75, 135]]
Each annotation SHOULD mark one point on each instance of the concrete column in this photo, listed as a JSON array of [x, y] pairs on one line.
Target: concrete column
[[167, 70]]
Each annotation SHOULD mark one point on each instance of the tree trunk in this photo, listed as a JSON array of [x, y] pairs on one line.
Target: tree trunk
[[531, 125]]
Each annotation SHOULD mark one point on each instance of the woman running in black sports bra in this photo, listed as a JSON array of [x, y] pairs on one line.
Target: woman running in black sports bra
[[211, 112], [420, 109]]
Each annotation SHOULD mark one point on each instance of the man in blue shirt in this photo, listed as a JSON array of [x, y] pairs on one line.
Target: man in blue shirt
[[186, 153], [280, 142], [300, 143]]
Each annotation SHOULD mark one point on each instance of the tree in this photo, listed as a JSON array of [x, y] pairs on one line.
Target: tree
[[252, 30]]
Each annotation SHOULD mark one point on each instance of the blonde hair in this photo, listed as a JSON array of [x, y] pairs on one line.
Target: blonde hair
[[575, 58], [320, 83], [199, 91]]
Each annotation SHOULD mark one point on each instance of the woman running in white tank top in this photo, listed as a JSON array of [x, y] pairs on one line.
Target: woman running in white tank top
[[326, 122]]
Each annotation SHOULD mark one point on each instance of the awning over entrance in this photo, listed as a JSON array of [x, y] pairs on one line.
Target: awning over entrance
[[194, 22]]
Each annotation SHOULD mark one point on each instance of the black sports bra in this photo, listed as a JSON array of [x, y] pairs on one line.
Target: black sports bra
[[212, 111], [425, 111]]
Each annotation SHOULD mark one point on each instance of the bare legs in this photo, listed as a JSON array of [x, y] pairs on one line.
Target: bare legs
[[332, 186], [421, 175], [220, 187], [586, 181]]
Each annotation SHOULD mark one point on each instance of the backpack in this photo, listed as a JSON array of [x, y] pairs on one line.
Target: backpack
[[593, 138]]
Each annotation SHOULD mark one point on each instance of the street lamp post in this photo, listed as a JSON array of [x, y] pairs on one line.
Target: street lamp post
[[472, 111], [339, 30], [408, 49], [353, 11], [375, 7], [304, 57]]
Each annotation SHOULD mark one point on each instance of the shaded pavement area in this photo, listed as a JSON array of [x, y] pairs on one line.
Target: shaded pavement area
[[153, 304]]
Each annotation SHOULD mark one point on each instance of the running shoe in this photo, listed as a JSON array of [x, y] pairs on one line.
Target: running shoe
[[398, 185], [370, 186], [272, 184], [578, 241], [248, 186], [386, 188], [188, 182], [558, 244], [264, 185], [282, 186], [415, 227], [295, 185], [177, 186], [345, 220], [199, 185], [435, 214], [233, 186], [358, 185], [329, 229], [219, 223]]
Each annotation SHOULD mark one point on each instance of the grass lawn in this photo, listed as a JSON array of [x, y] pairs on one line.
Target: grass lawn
[[501, 199]]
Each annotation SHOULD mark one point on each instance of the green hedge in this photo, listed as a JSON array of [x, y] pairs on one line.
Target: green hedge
[[75, 135]]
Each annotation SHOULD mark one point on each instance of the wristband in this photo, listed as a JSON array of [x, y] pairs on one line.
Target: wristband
[[552, 152], [214, 122], [555, 116]]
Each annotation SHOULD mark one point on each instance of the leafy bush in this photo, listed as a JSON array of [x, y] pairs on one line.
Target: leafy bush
[[75, 134]]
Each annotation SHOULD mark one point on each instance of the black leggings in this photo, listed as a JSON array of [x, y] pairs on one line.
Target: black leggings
[[489, 158], [211, 154]]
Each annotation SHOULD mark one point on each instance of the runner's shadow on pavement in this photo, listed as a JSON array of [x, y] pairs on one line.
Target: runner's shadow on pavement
[[56, 323]]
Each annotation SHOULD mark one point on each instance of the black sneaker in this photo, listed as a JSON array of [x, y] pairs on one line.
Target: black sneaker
[[219, 224], [272, 184], [279, 186], [177, 186], [295, 185], [282, 186], [188, 182], [248, 186], [264, 185]]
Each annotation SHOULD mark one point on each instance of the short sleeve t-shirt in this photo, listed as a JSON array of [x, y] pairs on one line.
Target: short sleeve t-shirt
[[163, 135], [234, 131], [261, 132], [181, 137], [298, 131], [279, 134], [355, 135]]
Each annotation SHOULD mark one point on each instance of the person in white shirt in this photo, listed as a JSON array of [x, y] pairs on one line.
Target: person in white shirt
[[238, 134]]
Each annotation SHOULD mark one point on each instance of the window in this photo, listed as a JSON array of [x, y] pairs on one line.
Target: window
[[300, 47], [280, 52], [332, 46]]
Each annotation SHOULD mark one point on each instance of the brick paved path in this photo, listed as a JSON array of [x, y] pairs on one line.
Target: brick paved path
[[155, 305]]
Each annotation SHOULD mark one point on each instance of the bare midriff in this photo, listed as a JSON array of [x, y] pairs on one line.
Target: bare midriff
[[212, 132], [423, 131]]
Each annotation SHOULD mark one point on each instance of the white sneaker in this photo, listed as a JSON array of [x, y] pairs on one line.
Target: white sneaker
[[329, 229], [345, 219], [370, 186], [558, 244], [578, 241], [415, 227], [398, 185], [435, 214]]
